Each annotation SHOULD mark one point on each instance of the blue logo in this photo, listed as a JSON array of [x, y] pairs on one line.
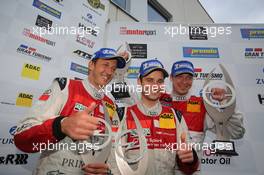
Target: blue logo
[[12, 130], [252, 33], [200, 52], [79, 68], [44, 7], [133, 72]]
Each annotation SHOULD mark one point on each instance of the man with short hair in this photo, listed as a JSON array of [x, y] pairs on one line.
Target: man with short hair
[[162, 126], [192, 107], [68, 112]]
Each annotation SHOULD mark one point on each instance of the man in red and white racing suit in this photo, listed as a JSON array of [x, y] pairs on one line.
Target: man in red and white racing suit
[[68, 112], [192, 107], [163, 127]]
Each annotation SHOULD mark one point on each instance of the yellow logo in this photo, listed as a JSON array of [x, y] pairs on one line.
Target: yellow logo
[[110, 109], [166, 121], [193, 106], [96, 4], [31, 71], [24, 99]]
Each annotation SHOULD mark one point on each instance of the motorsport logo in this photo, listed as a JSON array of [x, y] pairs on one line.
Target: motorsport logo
[[89, 19], [79, 68], [85, 41], [200, 52], [197, 33], [30, 51], [132, 72], [200, 75], [44, 7], [254, 53], [28, 33], [31, 71], [250, 33], [24, 100], [89, 30], [43, 22], [82, 54], [125, 31]]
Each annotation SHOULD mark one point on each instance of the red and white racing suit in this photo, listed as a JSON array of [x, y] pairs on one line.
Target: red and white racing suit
[[198, 120], [162, 127], [42, 124]]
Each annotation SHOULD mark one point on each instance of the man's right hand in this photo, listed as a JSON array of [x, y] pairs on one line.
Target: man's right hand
[[80, 125]]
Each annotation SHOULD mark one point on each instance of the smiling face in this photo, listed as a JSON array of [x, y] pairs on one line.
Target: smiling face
[[182, 83], [101, 72]]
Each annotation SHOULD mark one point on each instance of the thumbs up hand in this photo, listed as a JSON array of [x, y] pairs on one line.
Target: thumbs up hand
[[185, 152], [80, 125]]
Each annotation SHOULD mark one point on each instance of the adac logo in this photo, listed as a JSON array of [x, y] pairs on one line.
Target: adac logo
[[14, 159], [193, 106], [252, 33], [254, 53], [31, 71], [133, 72], [83, 54], [44, 7], [24, 100], [167, 116], [30, 51], [200, 75], [200, 52], [96, 4]]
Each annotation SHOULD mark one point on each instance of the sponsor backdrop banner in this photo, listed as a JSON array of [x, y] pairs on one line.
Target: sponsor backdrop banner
[[39, 41], [238, 47]]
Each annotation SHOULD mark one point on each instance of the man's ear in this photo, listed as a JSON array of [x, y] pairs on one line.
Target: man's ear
[[90, 65]]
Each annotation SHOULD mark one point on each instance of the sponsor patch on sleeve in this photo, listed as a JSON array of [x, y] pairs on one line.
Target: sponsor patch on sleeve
[[45, 96]]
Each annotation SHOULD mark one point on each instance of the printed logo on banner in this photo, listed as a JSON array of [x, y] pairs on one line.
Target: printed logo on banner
[[200, 75], [24, 100], [254, 53], [95, 6], [79, 68], [210, 158], [133, 72], [14, 159], [31, 71], [44, 7], [59, 2], [89, 19], [138, 51], [29, 34], [82, 54], [9, 140], [200, 52], [197, 33], [125, 31], [30, 51], [43, 22], [85, 41], [89, 30], [261, 99], [250, 33]]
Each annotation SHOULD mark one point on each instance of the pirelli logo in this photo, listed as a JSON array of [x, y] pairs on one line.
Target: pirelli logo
[[24, 100], [31, 71]]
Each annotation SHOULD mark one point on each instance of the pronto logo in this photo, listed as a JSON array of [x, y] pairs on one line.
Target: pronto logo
[[30, 51], [31, 71], [24, 100], [254, 53], [250, 33], [200, 52], [29, 34], [125, 31], [44, 7]]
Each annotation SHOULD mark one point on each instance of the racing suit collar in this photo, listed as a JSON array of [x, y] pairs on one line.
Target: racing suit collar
[[95, 93], [177, 97], [153, 111]]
